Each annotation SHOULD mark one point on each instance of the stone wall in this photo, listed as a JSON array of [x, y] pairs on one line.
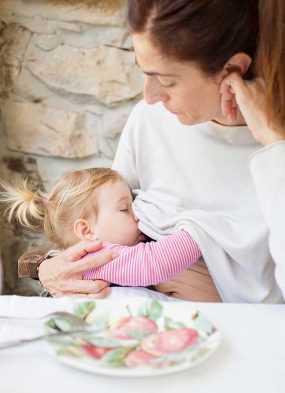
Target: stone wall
[[68, 81]]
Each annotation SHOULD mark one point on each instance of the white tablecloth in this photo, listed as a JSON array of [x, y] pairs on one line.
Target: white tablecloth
[[250, 359]]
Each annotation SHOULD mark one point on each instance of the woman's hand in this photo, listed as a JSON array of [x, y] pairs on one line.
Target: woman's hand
[[194, 284], [62, 275], [249, 97]]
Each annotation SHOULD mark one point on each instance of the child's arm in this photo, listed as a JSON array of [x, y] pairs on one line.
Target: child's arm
[[149, 263]]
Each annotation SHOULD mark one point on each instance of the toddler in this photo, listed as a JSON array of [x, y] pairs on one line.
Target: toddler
[[95, 204]]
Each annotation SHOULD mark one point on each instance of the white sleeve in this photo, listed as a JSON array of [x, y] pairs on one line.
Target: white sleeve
[[268, 171], [125, 158]]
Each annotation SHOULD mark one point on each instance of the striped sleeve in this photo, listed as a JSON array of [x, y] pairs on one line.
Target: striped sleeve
[[149, 263]]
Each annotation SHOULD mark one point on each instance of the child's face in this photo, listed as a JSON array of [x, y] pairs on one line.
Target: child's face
[[115, 221]]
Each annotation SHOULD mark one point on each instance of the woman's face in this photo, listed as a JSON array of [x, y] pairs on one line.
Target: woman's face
[[181, 86]]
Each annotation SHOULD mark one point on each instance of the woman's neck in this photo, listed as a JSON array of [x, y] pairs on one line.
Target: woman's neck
[[238, 122]]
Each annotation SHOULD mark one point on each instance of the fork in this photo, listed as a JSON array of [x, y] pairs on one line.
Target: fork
[[17, 343], [57, 314]]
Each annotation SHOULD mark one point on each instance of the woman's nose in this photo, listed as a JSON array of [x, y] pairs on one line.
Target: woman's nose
[[152, 91]]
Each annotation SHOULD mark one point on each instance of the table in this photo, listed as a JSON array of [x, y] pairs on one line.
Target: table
[[250, 359]]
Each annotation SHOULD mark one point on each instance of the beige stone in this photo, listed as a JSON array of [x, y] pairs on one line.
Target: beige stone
[[114, 120], [47, 42], [106, 74], [103, 12], [37, 129], [91, 37], [35, 24], [69, 88], [14, 42]]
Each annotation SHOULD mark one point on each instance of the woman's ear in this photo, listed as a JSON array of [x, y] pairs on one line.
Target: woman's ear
[[83, 230], [239, 63]]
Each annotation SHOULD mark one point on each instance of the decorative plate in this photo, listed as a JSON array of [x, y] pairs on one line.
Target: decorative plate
[[133, 338]]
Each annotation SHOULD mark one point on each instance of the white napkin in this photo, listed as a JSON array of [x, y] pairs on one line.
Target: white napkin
[[35, 307]]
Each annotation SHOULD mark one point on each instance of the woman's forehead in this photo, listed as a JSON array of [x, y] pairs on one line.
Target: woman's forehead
[[148, 57], [153, 63]]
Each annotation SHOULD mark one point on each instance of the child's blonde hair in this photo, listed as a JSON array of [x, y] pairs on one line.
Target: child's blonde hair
[[56, 211]]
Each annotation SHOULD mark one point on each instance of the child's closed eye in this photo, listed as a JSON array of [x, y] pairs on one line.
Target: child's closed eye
[[124, 209]]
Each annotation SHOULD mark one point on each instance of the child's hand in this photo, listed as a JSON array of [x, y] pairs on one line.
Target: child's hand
[[62, 275]]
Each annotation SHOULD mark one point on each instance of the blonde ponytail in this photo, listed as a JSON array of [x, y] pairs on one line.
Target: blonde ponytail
[[54, 214], [24, 205]]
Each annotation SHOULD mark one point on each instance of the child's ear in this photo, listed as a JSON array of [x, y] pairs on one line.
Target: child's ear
[[83, 230]]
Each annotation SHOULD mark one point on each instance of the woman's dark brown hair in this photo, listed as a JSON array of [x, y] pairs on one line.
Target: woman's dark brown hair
[[271, 57], [208, 32]]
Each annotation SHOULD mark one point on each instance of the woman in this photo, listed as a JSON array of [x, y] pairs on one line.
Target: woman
[[187, 155], [262, 104]]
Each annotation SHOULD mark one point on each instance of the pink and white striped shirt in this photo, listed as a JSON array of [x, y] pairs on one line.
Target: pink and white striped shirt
[[148, 263]]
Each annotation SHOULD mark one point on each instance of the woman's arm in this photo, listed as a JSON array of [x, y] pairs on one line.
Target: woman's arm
[[268, 171], [149, 263], [268, 164]]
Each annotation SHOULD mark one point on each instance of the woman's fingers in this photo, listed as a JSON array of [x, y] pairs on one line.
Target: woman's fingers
[[229, 108], [227, 98], [60, 275], [89, 261], [100, 295], [81, 249], [234, 85], [81, 286], [236, 91]]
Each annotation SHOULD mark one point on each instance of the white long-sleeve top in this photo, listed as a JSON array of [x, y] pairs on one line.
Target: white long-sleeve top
[[197, 178], [268, 171]]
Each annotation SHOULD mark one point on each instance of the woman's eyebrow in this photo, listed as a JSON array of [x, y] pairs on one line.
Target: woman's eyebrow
[[154, 73]]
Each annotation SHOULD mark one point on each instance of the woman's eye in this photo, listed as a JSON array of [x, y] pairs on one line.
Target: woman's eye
[[167, 85], [124, 210]]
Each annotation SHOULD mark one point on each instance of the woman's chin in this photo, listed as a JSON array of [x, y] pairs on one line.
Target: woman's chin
[[188, 120]]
